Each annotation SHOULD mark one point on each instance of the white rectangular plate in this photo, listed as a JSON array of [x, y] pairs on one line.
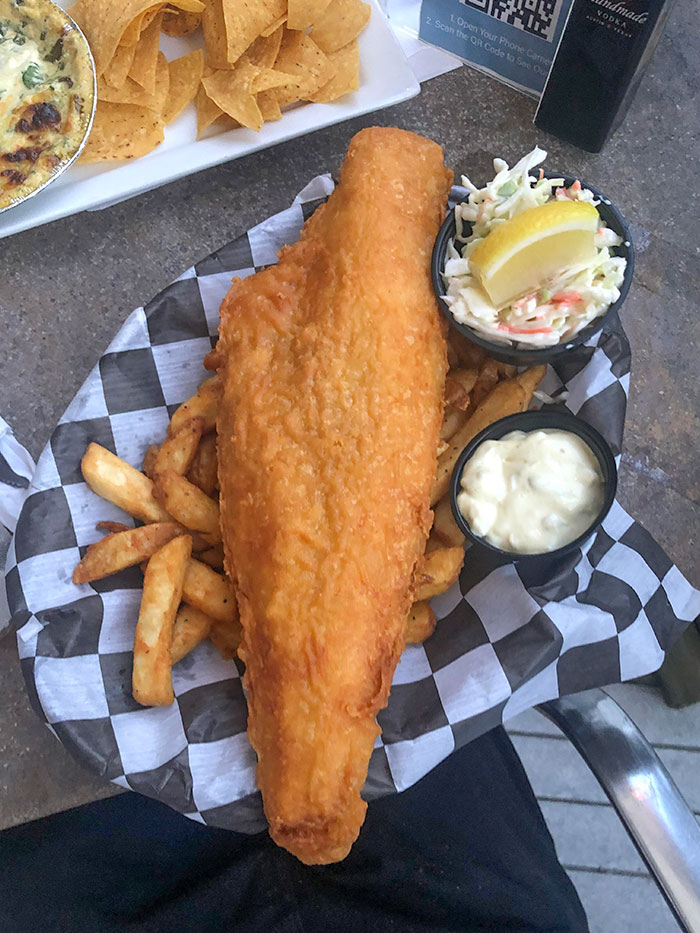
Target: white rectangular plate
[[386, 78]]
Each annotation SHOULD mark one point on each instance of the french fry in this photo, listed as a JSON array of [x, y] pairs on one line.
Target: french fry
[[529, 379], [124, 549], [178, 449], [203, 472], [458, 387], [452, 361], [214, 556], [188, 505], [486, 380], [191, 626], [118, 483], [209, 591], [420, 623], [437, 572], [151, 682], [507, 370], [203, 404], [149, 460], [506, 399], [226, 637], [452, 420], [112, 527], [445, 528], [468, 353]]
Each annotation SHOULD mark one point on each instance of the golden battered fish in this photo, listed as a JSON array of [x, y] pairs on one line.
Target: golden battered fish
[[333, 365]]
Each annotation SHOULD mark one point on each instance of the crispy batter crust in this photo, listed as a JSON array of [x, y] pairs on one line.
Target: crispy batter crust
[[333, 365]]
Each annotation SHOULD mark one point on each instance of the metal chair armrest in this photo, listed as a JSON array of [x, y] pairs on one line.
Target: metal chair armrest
[[650, 806]]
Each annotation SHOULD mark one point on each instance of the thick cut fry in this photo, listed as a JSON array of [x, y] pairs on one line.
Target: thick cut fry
[[453, 420], [226, 637], [178, 449], [203, 404], [420, 623], [191, 626], [506, 399], [486, 380], [188, 505], [119, 483], [204, 466], [445, 528], [506, 369], [112, 527], [214, 556], [468, 354], [149, 461], [209, 591], [529, 379], [124, 549], [437, 572], [151, 681], [458, 387]]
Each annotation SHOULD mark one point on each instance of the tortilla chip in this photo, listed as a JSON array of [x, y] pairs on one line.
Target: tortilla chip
[[265, 49], [246, 19], [185, 78], [131, 34], [207, 110], [346, 79], [304, 13], [342, 22], [116, 73], [104, 22], [269, 106], [232, 92], [143, 68], [274, 26], [178, 23], [122, 131], [162, 90], [300, 57], [130, 93], [214, 29]]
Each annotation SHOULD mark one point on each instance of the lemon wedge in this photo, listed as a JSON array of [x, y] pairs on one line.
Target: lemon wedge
[[518, 256]]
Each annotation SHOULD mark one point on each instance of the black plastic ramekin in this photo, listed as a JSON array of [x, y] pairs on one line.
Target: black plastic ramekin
[[527, 356], [535, 421]]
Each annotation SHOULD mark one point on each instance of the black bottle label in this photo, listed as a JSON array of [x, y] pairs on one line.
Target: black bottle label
[[597, 67]]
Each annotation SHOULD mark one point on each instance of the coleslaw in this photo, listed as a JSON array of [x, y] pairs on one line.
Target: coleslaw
[[567, 302]]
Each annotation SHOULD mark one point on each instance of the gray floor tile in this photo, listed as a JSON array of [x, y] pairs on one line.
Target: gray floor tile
[[556, 769], [618, 904], [590, 836]]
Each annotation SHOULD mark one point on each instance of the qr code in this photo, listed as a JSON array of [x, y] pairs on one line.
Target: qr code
[[538, 17]]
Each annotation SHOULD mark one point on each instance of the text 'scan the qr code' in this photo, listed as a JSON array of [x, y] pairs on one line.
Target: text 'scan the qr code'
[[514, 40]]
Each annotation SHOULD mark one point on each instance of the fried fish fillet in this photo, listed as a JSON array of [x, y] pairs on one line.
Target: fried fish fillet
[[333, 365]]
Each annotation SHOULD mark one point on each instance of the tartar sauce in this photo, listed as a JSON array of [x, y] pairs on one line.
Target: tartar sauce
[[531, 492]]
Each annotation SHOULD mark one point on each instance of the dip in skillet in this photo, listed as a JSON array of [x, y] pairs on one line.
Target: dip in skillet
[[46, 95]]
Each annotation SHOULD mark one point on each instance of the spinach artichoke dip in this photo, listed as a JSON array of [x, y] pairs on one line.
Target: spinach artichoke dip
[[46, 95]]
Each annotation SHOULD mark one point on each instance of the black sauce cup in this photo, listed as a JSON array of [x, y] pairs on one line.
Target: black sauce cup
[[534, 421], [526, 356]]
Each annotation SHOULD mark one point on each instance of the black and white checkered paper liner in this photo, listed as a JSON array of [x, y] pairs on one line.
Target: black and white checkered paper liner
[[503, 643]]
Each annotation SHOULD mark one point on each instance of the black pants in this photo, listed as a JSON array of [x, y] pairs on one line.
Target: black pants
[[465, 849]]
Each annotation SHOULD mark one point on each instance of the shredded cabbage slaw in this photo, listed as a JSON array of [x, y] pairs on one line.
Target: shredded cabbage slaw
[[566, 303]]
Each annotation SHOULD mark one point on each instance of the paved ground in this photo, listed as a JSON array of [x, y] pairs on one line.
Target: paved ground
[[610, 877], [65, 289]]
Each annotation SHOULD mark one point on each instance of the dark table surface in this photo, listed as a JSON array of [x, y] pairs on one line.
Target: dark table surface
[[66, 288]]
